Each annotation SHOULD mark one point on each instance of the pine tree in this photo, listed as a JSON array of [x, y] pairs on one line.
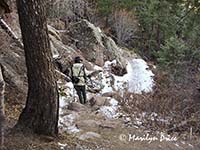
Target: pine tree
[[40, 114]]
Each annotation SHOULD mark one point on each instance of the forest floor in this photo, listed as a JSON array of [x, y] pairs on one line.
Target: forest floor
[[106, 134]]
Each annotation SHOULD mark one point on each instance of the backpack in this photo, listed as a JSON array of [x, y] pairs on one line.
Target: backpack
[[75, 79]]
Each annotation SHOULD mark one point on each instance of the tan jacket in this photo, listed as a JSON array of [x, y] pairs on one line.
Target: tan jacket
[[76, 68]]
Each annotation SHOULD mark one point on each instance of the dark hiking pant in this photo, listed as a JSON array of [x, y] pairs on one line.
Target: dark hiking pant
[[81, 91]]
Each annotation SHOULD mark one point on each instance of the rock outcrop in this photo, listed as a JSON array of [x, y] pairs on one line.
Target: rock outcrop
[[14, 70], [95, 46]]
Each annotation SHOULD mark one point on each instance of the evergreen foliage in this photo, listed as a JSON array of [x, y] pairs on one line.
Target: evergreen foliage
[[168, 31]]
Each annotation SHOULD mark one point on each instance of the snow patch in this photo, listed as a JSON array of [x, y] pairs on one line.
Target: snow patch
[[73, 129], [66, 123], [62, 101], [62, 146], [137, 80], [110, 111]]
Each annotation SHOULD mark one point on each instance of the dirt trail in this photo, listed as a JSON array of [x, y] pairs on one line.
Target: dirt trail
[[114, 133]]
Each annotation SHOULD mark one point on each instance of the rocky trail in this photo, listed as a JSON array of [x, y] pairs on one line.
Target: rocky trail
[[111, 130]]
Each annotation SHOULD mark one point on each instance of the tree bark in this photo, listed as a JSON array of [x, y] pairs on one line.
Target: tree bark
[[41, 111]]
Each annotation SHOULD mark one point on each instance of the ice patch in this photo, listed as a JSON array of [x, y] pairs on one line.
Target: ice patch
[[140, 78], [137, 80]]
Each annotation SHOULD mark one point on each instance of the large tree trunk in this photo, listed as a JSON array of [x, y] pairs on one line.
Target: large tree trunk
[[2, 111], [41, 111]]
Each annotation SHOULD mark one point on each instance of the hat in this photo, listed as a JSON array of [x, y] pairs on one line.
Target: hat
[[77, 59]]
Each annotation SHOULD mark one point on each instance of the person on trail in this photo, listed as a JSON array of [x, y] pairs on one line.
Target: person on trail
[[78, 77]]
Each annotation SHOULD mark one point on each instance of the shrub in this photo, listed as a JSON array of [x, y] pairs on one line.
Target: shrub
[[175, 57], [169, 108], [125, 25]]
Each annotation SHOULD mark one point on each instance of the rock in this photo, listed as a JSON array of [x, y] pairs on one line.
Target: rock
[[76, 106], [87, 40], [52, 31], [109, 124], [88, 124], [14, 70], [95, 46], [89, 135], [98, 101], [92, 101], [54, 51], [118, 70], [114, 95]]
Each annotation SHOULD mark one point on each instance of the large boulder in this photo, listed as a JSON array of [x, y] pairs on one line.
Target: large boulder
[[95, 46], [64, 54], [14, 69], [98, 101], [85, 124], [75, 106]]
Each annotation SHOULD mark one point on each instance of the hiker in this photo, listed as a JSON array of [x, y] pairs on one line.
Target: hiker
[[78, 77]]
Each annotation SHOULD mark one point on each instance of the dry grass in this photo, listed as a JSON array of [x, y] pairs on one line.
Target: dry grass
[[170, 102]]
